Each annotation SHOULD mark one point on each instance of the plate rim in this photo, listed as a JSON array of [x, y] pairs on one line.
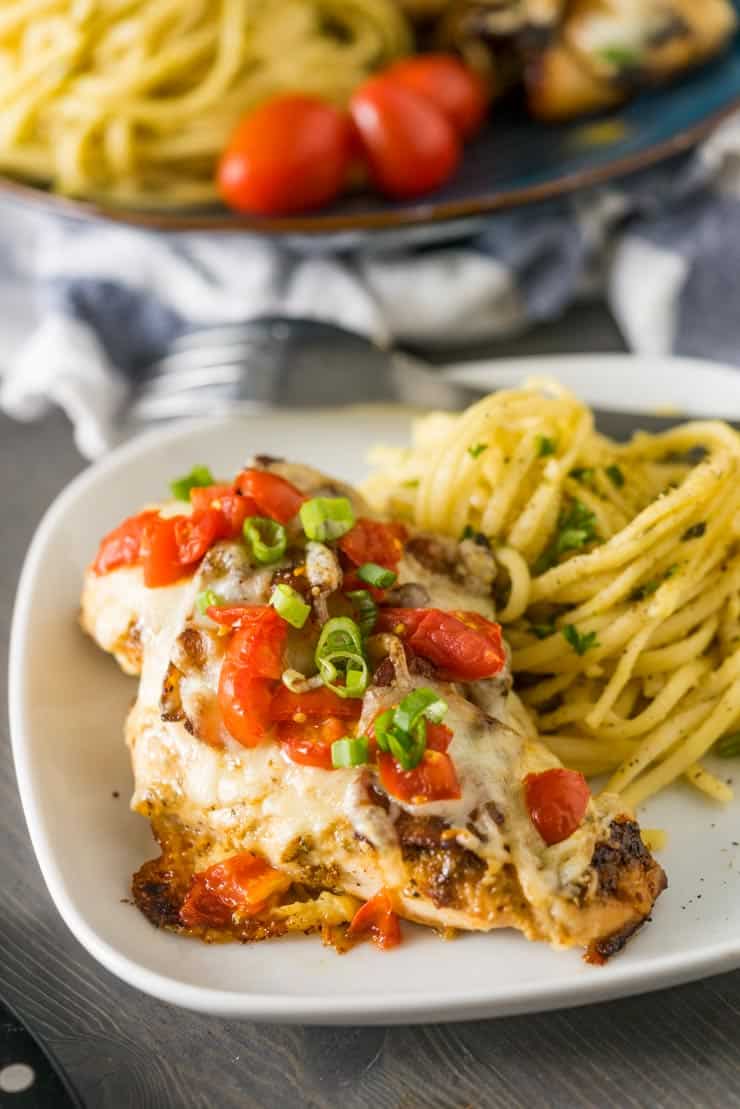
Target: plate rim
[[626, 979], [424, 212]]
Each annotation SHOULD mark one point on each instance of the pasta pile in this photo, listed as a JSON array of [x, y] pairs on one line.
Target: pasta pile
[[619, 573], [134, 100]]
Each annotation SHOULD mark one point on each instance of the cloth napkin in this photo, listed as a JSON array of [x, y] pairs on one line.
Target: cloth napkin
[[85, 306]]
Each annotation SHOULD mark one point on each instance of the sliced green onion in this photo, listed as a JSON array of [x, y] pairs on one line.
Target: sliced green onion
[[325, 518], [366, 610], [205, 599], [289, 604], [267, 538], [339, 654], [421, 703], [376, 575], [349, 751], [403, 730], [199, 476]]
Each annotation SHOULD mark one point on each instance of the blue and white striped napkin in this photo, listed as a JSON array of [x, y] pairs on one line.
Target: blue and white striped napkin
[[84, 306]]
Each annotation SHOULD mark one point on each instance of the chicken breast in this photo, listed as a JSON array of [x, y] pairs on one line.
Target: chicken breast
[[471, 859]]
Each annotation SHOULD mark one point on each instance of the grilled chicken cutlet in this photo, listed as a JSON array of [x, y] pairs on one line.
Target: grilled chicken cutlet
[[322, 736]]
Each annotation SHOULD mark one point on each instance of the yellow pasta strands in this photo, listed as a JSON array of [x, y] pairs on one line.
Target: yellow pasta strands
[[619, 573], [133, 100]]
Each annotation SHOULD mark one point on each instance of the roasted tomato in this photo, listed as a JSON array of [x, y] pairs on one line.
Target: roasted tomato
[[317, 704], [244, 702], [377, 917], [434, 779], [464, 645], [410, 146], [372, 541], [237, 888], [557, 800], [451, 86], [274, 496], [122, 546], [310, 743], [291, 154]]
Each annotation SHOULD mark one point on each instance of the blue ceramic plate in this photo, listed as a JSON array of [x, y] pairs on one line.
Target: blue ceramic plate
[[515, 160]]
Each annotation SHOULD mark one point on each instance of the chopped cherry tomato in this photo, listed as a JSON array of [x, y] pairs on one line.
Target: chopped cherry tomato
[[464, 645], [273, 495], [232, 507], [434, 779], [160, 554], [244, 702], [410, 145], [372, 541], [315, 704], [122, 546], [451, 86], [290, 154], [241, 885], [310, 744], [376, 916], [557, 800], [258, 640], [439, 736], [196, 534]]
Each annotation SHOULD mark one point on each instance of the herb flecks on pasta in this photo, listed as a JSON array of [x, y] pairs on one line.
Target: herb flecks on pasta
[[623, 563]]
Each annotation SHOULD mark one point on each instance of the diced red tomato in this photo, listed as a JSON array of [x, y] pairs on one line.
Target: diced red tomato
[[439, 736], [434, 779], [557, 800], [244, 701], [160, 554], [274, 496], [454, 88], [316, 704], [373, 541], [290, 154], [121, 547], [310, 743], [258, 639], [241, 885], [410, 145], [196, 534], [232, 507], [377, 917], [464, 645]]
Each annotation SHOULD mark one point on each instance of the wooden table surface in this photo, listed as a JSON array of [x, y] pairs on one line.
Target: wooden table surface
[[122, 1049]]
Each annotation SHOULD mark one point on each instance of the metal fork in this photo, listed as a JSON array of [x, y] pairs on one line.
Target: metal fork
[[274, 361]]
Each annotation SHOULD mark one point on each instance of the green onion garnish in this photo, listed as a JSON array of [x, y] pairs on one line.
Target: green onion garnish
[[366, 610], [376, 575], [326, 518], [266, 538], [349, 752], [339, 654], [205, 599], [402, 730], [289, 604], [199, 476]]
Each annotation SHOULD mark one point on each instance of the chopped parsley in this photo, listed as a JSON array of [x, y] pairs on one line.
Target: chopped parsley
[[477, 449], [579, 642], [729, 746], [649, 587], [469, 532], [543, 631], [546, 446], [615, 475], [694, 532], [584, 474], [576, 528], [412, 483]]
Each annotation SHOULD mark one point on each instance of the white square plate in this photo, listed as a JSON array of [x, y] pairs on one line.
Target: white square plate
[[68, 701]]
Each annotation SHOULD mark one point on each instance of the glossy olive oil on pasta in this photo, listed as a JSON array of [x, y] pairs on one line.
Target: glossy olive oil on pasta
[[619, 573]]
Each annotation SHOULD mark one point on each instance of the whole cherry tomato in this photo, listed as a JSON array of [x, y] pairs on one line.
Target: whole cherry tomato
[[410, 145], [290, 154], [455, 89], [556, 800]]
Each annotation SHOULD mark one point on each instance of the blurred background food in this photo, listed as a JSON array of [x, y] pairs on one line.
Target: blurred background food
[[133, 101]]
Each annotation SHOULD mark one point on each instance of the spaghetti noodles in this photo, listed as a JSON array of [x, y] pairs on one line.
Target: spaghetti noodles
[[619, 573], [134, 100]]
